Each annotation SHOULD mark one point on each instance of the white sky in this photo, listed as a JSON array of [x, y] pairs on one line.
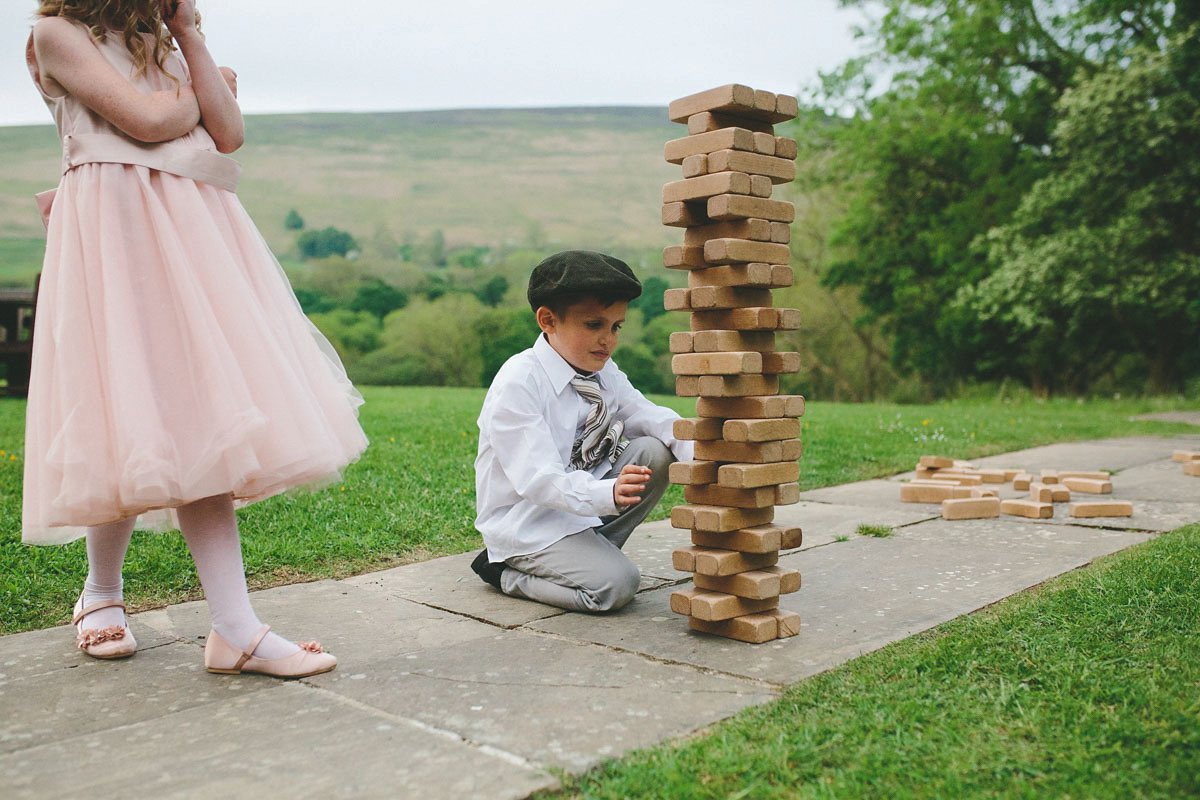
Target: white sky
[[402, 55]]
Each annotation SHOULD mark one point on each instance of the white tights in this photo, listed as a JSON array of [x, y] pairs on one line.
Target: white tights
[[209, 527]]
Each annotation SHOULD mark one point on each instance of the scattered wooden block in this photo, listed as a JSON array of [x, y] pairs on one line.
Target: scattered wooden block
[[1192, 468], [1027, 508], [975, 491], [742, 206], [919, 493], [992, 475], [719, 519], [1185, 455], [1111, 508], [706, 186], [713, 495], [692, 428], [1041, 493], [971, 508], [1022, 481], [935, 462], [962, 479], [1088, 485], [676, 150], [1049, 476], [705, 121], [747, 476], [693, 472], [780, 405], [717, 363], [748, 540], [760, 430], [1099, 475]]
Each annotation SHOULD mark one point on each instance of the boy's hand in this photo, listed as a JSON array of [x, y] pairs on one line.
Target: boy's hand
[[630, 485]]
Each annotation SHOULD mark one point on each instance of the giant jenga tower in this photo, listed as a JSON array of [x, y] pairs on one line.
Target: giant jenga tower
[[735, 248]]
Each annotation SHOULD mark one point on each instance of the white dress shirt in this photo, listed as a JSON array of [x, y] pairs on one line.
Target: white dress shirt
[[527, 498]]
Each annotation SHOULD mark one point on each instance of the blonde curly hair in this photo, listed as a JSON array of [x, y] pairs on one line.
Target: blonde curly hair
[[131, 18]]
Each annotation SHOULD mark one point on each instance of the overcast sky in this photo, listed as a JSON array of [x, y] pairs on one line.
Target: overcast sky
[[402, 55]]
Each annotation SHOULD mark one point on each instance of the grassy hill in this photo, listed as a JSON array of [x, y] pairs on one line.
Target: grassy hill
[[589, 177]]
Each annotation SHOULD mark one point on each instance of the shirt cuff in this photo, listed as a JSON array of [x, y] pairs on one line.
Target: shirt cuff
[[602, 498]]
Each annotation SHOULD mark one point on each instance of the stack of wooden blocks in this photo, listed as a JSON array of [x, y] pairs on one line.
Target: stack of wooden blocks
[[1190, 459], [735, 249]]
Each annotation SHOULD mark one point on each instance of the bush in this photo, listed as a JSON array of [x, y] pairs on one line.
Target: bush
[[325, 242]]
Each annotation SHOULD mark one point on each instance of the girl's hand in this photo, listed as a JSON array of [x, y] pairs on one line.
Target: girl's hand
[[179, 15], [630, 485], [230, 78]]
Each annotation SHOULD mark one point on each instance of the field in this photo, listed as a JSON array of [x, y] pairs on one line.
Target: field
[[581, 177]]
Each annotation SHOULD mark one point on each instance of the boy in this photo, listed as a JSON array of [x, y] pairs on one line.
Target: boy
[[558, 488]]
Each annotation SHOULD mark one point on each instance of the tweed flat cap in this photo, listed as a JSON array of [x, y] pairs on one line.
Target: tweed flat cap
[[581, 272]]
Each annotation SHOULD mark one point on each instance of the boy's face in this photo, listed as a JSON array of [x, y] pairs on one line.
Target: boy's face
[[586, 335]]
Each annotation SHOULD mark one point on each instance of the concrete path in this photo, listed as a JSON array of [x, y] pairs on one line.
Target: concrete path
[[447, 689]]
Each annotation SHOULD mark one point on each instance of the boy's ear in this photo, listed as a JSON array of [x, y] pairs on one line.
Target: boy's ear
[[546, 319]]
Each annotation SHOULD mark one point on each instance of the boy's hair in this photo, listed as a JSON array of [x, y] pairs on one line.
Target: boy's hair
[[573, 275], [131, 18]]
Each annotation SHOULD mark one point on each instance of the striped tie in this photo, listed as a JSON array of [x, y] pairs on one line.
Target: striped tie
[[598, 439]]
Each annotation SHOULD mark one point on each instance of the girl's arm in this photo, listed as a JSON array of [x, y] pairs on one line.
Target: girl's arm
[[219, 111], [69, 63]]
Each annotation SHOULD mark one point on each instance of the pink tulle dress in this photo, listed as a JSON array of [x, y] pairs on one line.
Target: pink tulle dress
[[171, 360]]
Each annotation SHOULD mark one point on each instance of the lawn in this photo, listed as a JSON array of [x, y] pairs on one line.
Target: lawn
[[411, 497]]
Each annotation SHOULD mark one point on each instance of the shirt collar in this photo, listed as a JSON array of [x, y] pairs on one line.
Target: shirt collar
[[558, 369]]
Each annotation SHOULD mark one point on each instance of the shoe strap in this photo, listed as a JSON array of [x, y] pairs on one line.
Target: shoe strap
[[250, 648], [96, 607]]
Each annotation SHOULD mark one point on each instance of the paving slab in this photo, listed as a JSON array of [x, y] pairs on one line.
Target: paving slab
[[286, 740], [863, 593]]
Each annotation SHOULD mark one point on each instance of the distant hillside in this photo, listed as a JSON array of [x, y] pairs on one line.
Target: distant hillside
[[579, 176]]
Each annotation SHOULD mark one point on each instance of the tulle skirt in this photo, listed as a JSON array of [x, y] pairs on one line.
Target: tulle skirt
[[171, 360]]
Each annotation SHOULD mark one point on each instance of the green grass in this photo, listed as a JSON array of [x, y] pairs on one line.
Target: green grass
[[1084, 688], [411, 497], [878, 531]]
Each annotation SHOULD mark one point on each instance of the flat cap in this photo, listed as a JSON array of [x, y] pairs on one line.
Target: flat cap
[[581, 272]]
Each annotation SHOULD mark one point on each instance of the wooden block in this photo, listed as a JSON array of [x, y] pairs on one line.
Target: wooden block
[[788, 622], [764, 144], [748, 452], [782, 405], [697, 165], [726, 251], [1027, 508], [747, 540], [684, 215], [733, 98], [959, 492], [752, 628], [716, 606], [786, 147], [780, 363], [924, 473], [778, 170], [753, 275], [693, 472], [684, 559], [787, 494], [1041, 492], [1184, 456], [706, 186], [1191, 468], [787, 104], [1087, 485], [1111, 508], [1022, 480], [756, 318], [681, 342], [692, 428], [959, 478], [677, 299], [760, 185], [992, 475], [713, 495], [681, 600], [971, 508], [749, 362], [676, 150], [719, 519], [780, 233], [1049, 476], [741, 206], [935, 462], [1099, 475], [709, 561], [756, 229], [755, 584], [791, 537], [684, 257], [760, 430], [736, 385], [747, 476], [719, 341], [706, 121], [704, 298], [918, 493]]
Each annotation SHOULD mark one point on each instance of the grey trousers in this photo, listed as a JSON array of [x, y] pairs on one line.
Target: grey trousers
[[586, 571]]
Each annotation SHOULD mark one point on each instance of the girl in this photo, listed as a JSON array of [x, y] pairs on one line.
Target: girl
[[173, 370]]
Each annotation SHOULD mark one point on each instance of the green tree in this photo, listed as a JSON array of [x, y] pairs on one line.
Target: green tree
[[293, 221], [492, 293], [325, 242], [378, 298], [650, 301], [1101, 261], [503, 333], [428, 343]]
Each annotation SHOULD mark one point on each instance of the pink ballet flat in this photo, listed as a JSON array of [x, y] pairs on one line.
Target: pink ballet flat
[[224, 659], [115, 641]]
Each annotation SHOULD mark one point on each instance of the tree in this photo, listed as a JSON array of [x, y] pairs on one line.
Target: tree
[[1101, 261], [325, 242], [650, 301], [492, 293], [502, 334], [948, 151], [293, 221], [378, 298]]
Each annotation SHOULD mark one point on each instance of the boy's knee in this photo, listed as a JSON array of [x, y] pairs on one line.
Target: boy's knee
[[649, 452], [618, 590]]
